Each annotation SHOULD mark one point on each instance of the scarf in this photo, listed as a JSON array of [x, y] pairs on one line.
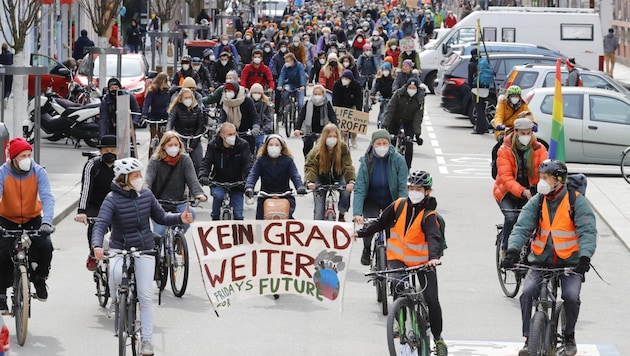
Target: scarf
[[232, 108], [308, 119], [528, 155], [171, 161]]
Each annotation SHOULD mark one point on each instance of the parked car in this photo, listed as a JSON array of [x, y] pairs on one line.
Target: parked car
[[135, 73], [596, 122], [57, 79], [4, 337], [532, 76], [456, 95]]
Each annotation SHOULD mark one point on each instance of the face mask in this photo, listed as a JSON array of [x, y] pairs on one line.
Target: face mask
[[359, 39], [318, 100], [257, 60], [274, 151], [514, 100], [350, 28], [224, 42], [345, 82], [187, 102], [212, 58], [331, 141], [543, 187], [332, 50], [185, 66], [408, 20], [393, 47], [375, 38], [137, 184], [408, 52], [256, 96], [196, 68], [386, 73], [248, 37], [25, 164], [381, 151], [415, 196], [412, 92], [172, 151], [109, 157], [296, 44], [322, 61], [525, 139], [288, 65], [283, 49], [306, 42], [346, 64], [230, 140], [229, 94], [224, 62], [368, 53], [113, 92]]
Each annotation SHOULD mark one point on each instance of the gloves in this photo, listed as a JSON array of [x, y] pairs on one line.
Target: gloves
[[583, 266], [419, 140], [46, 229], [255, 131], [510, 258], [535, 128], [204, 180], [301, 190], [499, 128], [249, 192]]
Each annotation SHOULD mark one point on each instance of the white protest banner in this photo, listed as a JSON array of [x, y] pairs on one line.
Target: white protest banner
[[406, 44], [351, 120], [245, 259]]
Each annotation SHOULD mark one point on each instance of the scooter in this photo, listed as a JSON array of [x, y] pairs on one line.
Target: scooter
[[61, 118]]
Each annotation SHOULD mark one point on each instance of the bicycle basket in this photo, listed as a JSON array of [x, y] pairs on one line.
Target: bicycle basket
[[276, 209]]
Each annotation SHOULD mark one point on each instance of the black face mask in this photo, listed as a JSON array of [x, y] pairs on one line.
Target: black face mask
[[109, 157], [113, 92]]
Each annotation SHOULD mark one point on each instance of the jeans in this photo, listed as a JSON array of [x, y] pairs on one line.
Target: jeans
[[509, 202], [300, 98], [571, 286], [309, 142], [161, 229], [197, 156], [236, 201], [133, 48], [260, 140], [320, 201], [145, 269]]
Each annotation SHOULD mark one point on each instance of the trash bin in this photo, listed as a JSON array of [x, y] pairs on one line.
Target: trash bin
[[4, 141], [196, 47]]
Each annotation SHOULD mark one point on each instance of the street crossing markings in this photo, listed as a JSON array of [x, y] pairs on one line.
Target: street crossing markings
[[497, 348], [436, 145]]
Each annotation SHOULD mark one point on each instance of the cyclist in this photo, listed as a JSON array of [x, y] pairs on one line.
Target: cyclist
[[189, 83], [518, 159], [347, 94], [381, 179], [393, 50], [293, 76], [348, 63], [170, 174], [509, 107], [275, 167], [316, 114], [262, 103], [317, 66], [186, 118], [383, 84], [228, 160], [411, 55], [414, 241], [330, 73], [221, 67], [202, 72], [185, 72], [156, 102], [566, 237], [257, 72], [328, 163], [404, 75], [238, 109], [368, 66], [107, 120], [128, 209], [24, 195], [96, 181]]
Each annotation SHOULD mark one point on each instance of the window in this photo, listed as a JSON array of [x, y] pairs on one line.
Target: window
[[490, 34], [608, 109], [572, 106], [526, 80], [550, 78], [594, 81], [508, 34], [576, 32]]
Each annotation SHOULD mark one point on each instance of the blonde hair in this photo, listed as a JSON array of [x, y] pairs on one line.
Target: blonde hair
[[160, 151], [262, 151], [160, 82], [326, 158], [178, 100], [264, 98]]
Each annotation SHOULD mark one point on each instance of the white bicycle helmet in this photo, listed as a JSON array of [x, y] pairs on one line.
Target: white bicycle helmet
[[126, 166]]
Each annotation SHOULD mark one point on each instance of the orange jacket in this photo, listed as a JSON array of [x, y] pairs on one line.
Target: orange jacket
[[561, 229], [20, 202], [506, 168], [412, 247]]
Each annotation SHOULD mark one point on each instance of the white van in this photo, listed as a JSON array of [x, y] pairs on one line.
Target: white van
[[577, 33]]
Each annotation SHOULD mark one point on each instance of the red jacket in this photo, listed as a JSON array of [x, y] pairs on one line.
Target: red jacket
[[394, 54], [450, 21], [261, 75]]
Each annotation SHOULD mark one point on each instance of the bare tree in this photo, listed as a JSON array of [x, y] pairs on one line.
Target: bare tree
[[102, 14], [19, 17], [165, 9]]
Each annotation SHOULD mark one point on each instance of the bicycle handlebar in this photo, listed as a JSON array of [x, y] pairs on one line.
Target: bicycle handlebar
[[227, 185], [286, 194], [133, 252], [158, 122], [7, 233], [423, 268], [193, 203], [329, 187], [554, 270]]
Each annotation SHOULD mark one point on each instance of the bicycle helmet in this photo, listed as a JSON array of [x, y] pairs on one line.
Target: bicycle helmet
[[126, 166], [196, 60], [514, 90], [186, 59], [207, 52], [419, 179], [555, 168]]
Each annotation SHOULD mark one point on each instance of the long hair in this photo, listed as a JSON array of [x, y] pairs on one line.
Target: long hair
[[326, 158], [284, 151], [160, 152], [264, 98], [160, 82], [179, 99]]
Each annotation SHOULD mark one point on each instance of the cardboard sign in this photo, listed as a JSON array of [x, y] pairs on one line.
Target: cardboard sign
[[351, 120], [406, 44], [245, 259]]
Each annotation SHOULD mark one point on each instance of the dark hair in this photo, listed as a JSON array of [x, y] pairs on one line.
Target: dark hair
[[83, 33], [257, 51], [611, 30]]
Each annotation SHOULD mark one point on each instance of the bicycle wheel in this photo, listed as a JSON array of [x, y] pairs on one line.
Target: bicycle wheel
[[408, 339], [226, 214], [625, 165], [21, 304], [134, 327], [122, 314], [381, 284], [366, 99], [179, 265], [286, 118], [558, 325], [102, 287], [536, 344], [509, 280], [161, 267]]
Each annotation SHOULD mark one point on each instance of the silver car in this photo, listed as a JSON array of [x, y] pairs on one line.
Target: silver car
[[596, 122]]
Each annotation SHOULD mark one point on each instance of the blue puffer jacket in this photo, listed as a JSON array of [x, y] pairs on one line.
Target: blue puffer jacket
[[274, 174], [128, 213]]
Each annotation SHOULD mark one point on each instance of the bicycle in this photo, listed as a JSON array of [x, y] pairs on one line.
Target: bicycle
[[509, 279], [289, 110], [21, 294], [330, 213], [127, 323], [625, 164], [546, 334], [404, 145], [227, 212], [172, 254], [367, 85], [409, 313], [156, 129], [378, 262], [383, 106], [101, 274]]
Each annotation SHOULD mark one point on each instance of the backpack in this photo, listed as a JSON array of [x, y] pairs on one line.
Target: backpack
[[485, 74], [440, 220]]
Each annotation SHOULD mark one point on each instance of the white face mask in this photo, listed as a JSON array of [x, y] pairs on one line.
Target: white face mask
[[224, 62], [345, 82], [514, 100], [172, 151], [381, 151], [267, 49], [318, 100], [224, 42], [212, 58], [412, 92], [25, 164], [543, 187], [256, 96], [524, 139], [274, 151], [137, 184], [248, 37], [283, 49], [296, 44], [375, 37], [187, 102], [257, 60], [368, 53], [229, 94], [322, 61], [185, 66], [346, 64], [196, 68], [386, 73], [393, 47], [415, 196], [408, 52], [230, 140], [331, 141], [360, 39]]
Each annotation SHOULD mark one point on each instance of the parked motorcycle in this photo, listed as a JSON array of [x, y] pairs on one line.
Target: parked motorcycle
[[62, 118]]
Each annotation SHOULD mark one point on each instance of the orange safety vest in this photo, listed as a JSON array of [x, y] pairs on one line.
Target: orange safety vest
[[411, 247], [561, 229]]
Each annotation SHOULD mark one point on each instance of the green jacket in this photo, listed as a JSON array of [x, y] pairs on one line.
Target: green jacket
[[214, 97], [527, 222], [311, 166]]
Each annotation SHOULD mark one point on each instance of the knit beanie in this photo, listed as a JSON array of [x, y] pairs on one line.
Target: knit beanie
[[408, 62], [256, 88], [387, 66], [347, 74], [18, 145], [381, 134]]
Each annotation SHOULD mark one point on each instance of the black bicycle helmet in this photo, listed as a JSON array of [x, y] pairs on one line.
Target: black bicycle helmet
[[555, 168], [419, 179]]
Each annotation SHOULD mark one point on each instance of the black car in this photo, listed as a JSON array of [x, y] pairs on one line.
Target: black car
[[456, 95]]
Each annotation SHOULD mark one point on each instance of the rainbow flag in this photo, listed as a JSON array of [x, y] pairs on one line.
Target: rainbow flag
[[556, 146]]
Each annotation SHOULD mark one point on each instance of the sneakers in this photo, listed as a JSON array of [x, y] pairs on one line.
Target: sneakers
[[4, 308], [111, 311], [147, 348], [341, 218], [570, 346], [41, 293], [365, 257], [524, 351], [440, 347], [91, 263]]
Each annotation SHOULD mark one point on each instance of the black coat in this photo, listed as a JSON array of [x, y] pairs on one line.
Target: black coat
[[350, 97], [188, 122], [79, 47], [223, 164]]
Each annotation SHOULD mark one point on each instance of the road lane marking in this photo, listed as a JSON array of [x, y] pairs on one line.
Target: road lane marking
[[435, 144]]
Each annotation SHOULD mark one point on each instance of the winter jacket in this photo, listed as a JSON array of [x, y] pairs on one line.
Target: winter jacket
[[134, 35], [314, 75], [107, 119], [328, 76], [311, 166], [573, 79], [244, 49], [79, 47], [394, 54], [129, 214], [506, 114], [249, 116], [610, 43], [276, 64], [95, 185], [397, 172], [384, 86], [368, 65], [172, 185], [348, 97], [264, 112], [402, 108], [156, 105], [274, 174], [294, 76], [226, 164], [413, 56], [260, 74], [528, 220], [299, 52], [178, 78], [315, 126], [507, 168], [219, 48], [218, 71], [187, 122], [25, 196], [401, 79]]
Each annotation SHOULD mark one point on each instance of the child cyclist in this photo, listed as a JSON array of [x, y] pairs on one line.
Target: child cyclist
[[415, 240]]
